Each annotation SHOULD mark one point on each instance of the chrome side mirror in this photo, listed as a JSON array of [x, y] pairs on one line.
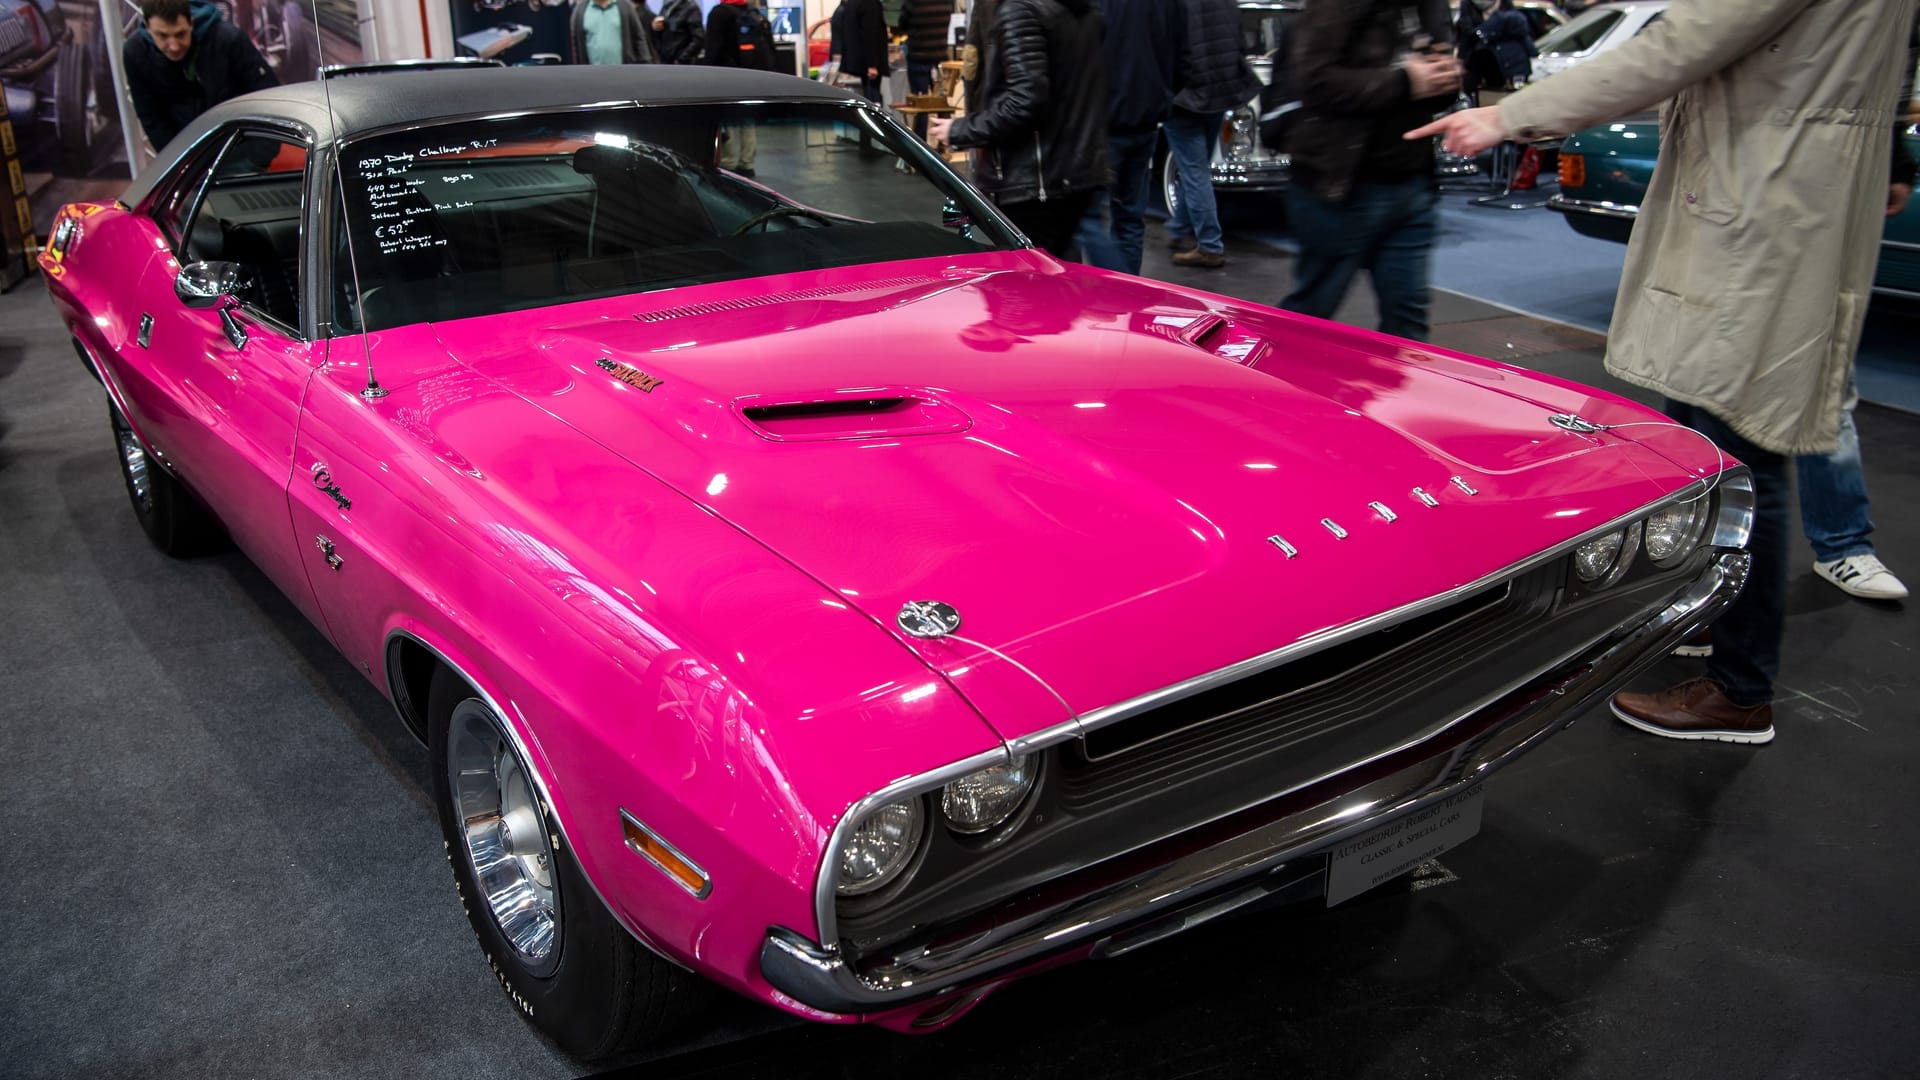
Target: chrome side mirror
[[205, 284], [953, 217]]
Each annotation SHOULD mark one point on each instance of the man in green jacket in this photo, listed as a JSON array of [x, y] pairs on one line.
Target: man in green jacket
[[1746, 283]]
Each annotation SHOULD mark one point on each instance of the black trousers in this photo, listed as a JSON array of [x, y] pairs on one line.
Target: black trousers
[[1050, 222]]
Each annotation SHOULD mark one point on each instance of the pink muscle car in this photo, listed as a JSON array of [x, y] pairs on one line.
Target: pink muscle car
[[803, 584]]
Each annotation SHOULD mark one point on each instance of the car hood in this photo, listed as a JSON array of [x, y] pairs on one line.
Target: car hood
[[1116, 484]]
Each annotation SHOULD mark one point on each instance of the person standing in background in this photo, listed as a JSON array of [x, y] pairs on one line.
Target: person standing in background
[[1747, 277], [683, 40], [739, 36], [863, 51], [1145, 42], [925, 22], [1362, 197], [1214, 78], [1509, 37], [1041, 129], [609, 32], [185, 59], [1835, 514]]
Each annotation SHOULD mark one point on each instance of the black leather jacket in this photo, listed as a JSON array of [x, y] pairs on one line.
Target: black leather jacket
[[1041, 128], [1355, 99]]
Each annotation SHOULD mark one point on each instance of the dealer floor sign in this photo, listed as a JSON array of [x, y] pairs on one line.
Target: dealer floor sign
[[17, 243]]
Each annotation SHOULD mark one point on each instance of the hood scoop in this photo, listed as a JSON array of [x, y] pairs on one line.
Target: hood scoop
[[866, 412]]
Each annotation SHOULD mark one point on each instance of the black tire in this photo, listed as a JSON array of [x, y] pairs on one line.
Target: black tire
[[1165, 188], [77, 120], [169, 515], [106, 97], [596, 992]]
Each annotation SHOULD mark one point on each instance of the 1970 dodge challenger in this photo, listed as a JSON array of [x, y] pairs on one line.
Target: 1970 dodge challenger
[[801, 582], [1604, 172]]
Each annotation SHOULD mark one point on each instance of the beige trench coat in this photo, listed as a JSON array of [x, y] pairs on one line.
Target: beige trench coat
[[1747, 280]]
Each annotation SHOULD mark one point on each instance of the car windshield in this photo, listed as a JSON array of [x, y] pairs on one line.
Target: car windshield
[[1583, 33], [467, 218]]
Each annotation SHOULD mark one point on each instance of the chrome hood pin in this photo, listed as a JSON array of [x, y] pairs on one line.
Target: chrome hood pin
[[927, 619]]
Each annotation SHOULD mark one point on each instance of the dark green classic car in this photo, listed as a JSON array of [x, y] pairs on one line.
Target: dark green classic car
[[1604, 172]]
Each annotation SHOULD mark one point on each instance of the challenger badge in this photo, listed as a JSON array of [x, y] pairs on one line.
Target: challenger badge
[[632, 376]]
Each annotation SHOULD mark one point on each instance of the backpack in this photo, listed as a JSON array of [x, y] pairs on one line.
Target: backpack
[[755, 42]]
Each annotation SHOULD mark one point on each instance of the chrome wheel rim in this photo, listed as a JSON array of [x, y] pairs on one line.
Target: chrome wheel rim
[[505, 832], [133, 462], [1170, 185]]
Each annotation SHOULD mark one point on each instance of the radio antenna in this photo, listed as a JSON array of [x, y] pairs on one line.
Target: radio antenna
[[373, 391]]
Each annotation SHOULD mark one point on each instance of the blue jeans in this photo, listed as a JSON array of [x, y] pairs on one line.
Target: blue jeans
[[1190, 139], [919, 81], [1834, 512], [1113, 234], [1387, 230], [1746, 640]]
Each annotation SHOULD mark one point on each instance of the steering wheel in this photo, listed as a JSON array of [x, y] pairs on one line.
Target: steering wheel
[[783, 210]]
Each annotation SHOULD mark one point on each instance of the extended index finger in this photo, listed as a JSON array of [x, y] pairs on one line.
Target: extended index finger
[[1437, 127]]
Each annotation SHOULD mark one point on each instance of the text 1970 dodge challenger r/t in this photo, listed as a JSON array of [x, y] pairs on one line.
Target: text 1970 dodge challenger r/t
[[802, 583]]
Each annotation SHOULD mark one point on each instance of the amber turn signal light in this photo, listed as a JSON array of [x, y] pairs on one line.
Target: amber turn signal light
[[665, 857], [1573, 171]]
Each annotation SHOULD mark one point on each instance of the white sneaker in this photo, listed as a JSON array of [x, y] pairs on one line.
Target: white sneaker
[[1864, 576]]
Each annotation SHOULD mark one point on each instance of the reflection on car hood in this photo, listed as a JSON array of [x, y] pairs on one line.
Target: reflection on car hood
[[1091, 469]]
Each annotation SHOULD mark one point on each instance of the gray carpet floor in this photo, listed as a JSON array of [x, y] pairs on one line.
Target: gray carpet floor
[[221, 860]]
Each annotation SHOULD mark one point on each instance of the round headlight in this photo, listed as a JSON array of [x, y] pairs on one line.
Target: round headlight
[[880, 847], [978, 801], [1594, 559], [1672, 533]]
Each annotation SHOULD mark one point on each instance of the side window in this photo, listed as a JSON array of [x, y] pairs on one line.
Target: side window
[[177, 194], [251, 215]]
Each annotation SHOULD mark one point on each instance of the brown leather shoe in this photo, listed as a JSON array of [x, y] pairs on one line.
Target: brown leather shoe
[[1212, 260], [1182, 243], [1695, 709]]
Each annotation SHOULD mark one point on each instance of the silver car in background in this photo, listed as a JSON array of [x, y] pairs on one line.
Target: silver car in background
[[1244, 160]]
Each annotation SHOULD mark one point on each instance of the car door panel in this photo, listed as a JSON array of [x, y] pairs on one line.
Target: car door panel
[[224, 415]]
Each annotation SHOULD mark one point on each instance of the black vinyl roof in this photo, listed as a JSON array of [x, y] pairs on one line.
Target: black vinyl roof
[[341, 108]]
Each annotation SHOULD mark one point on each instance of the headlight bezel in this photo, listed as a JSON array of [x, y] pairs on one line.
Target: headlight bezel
[[1007, 822], [1700, 515], [901, 870], [1623, 558]]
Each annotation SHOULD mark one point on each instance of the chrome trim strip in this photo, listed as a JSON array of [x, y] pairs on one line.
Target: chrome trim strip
[[1735, 479], [1566, 204], [705, 889], [1900, 245], [539, 778], [821, 977]]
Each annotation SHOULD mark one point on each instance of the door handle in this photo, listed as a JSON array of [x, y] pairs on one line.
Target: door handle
[[146, 329], [326, 549], [236, 333]]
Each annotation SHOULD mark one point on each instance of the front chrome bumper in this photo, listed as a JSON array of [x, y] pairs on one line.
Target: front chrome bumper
[[1247, 858], [1261, 174], [1598, 208]]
